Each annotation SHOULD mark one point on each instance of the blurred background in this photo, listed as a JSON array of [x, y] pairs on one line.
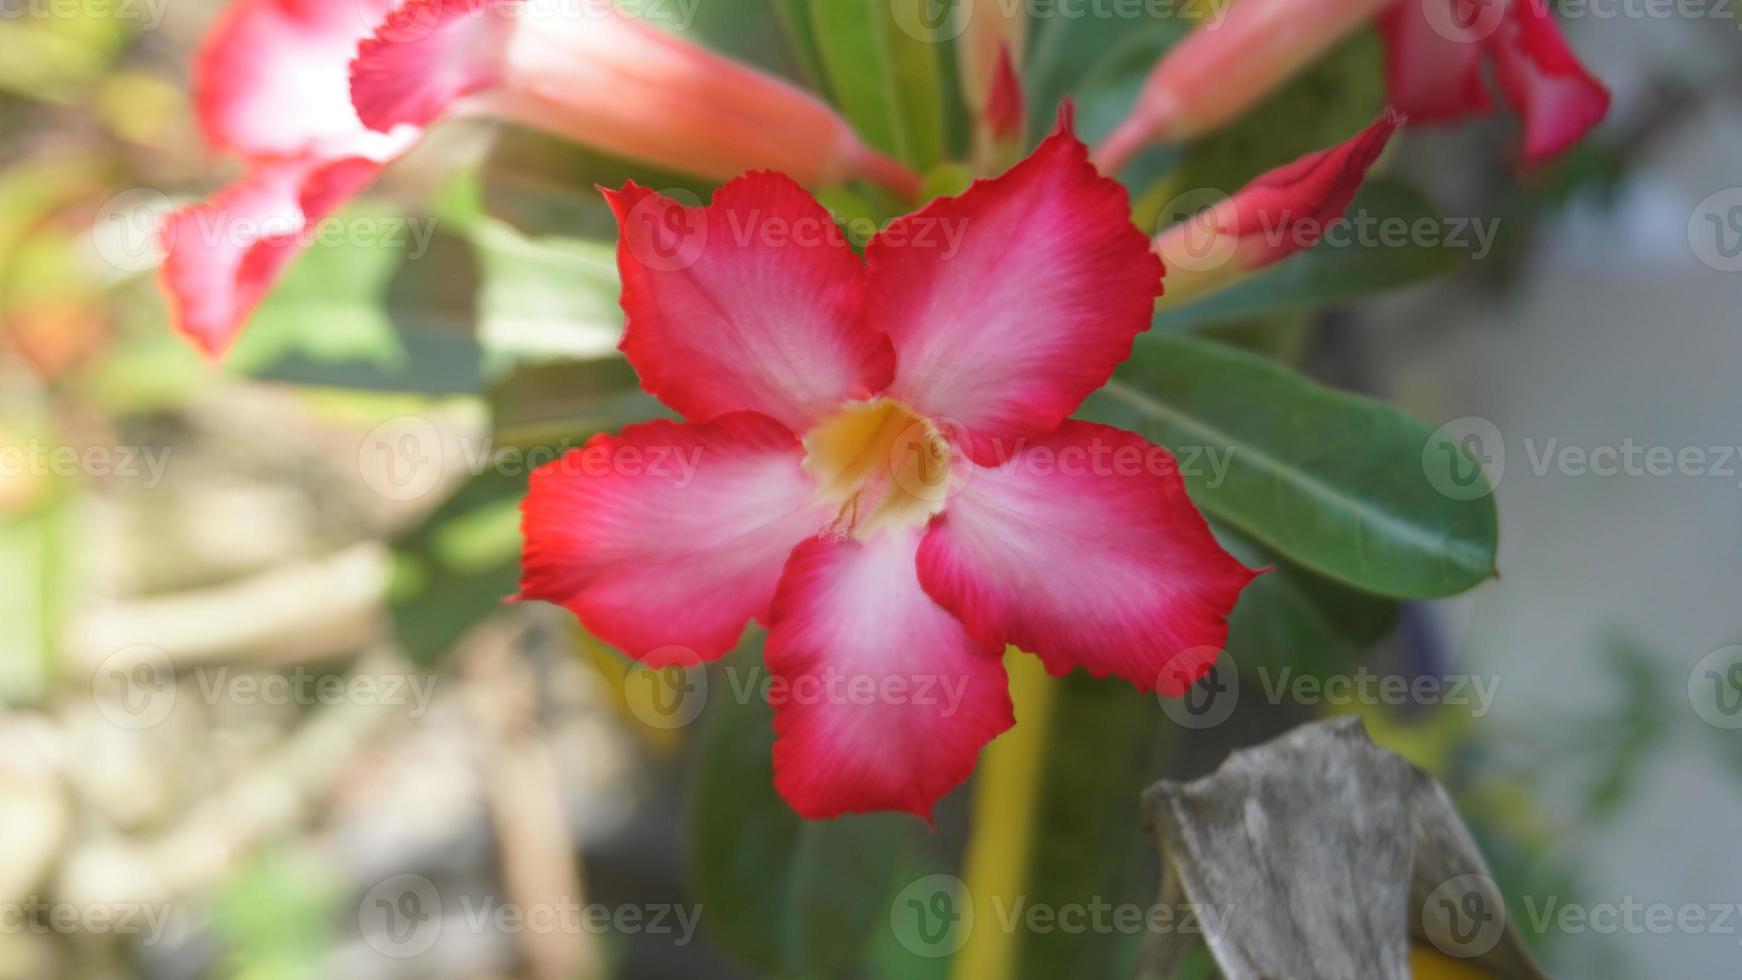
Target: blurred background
[[265, 714]]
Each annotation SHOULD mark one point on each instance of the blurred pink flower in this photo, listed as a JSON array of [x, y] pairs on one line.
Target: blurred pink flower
[[1435, 50], [274, 83], [1434, 53]]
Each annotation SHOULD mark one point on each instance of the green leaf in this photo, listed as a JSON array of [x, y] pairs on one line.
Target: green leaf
[[386, 305], [456, 567], [538, 404], [1349, 264], [1345, 486], [545, 297], [1293, 618], [35, 579], [789, 896], [884, 77], [801, 39]]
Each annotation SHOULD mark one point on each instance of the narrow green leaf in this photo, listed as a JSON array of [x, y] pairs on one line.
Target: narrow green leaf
[[1343, 485], [789, 896], [1372, 251], [883, 77], [801, 38]]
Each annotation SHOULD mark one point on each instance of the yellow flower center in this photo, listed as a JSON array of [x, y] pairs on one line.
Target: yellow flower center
[[880, 464]]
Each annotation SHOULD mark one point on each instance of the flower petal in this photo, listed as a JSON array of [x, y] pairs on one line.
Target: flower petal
[[423, 56], [1544, 82], [1011, 303], [606, 79], [1433, 62], [1287, 209], [753, 302], [665, 540], [884, 700], [270, 79], [223, 254], [1084, 549]]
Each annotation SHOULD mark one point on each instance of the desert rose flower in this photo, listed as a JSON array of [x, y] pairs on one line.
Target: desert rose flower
[[274, 85], [878, 463], [1434, 53], [1278, 214], [1227, 65]]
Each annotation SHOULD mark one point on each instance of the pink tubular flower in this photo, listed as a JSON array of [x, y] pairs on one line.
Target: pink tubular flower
[[274, 84], [1435, 49], [878, 465], [1434, 55], [1278, 214], [1226, 66]]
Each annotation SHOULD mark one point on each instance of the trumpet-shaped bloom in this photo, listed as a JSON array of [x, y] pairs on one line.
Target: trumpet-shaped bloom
[[878, 464], [275, 85], [1277, 214], [1435, 51]]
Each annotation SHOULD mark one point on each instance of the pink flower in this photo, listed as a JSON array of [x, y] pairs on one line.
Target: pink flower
[[879, 465], [1435, 50], [274, 84], [1277, 214], [1434, 54], [1228, 65]]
